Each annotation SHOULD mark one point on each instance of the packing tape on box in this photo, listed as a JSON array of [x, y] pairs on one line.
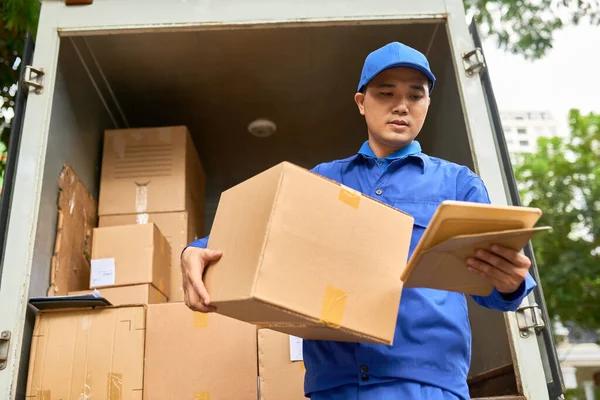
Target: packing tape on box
[[119, 144], [142, 219], [333, 307], [87, 392], [43, 395], [200, 319], [115, 386], [350, 197], [141, 197], [202, 396]]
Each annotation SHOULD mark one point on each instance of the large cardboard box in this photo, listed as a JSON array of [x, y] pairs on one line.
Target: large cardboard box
[[199, 356], [148, 170], [306, 256], [178, 228], [88, 354], [280, 366], [130, 254], [127, 295]]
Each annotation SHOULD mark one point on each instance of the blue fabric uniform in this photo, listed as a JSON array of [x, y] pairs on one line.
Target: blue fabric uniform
[[432, 347]]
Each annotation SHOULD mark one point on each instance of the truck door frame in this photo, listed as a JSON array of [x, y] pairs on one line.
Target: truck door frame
[[22, 220], [554, 378], [58, 20]]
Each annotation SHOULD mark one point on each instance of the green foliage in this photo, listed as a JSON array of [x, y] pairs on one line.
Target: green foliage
[[579, 394], [17, 17], [563, 179], [527, 27]]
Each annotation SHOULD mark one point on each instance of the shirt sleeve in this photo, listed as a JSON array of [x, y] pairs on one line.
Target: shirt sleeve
[[475, 191]]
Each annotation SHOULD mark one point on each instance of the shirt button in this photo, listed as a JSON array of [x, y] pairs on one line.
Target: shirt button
[[364, 378], [380, 163], [378, 192], [364, 369]]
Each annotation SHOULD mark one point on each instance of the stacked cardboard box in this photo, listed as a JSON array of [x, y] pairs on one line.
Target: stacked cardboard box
[[153, 352], [280, 366], [152, 185]]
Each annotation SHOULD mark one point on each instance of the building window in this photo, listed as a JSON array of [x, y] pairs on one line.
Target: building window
[[519, 118], [522, 131], [507, 129], [524, 142]]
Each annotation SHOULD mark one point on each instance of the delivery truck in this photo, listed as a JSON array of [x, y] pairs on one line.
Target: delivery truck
[[257, 82]]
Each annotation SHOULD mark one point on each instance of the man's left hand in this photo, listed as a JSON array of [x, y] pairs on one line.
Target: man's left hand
[[504, 267]]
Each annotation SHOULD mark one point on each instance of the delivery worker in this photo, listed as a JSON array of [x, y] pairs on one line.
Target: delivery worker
[[431, 353]]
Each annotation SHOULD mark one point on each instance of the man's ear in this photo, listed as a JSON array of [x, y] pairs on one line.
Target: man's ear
[[359, 98]]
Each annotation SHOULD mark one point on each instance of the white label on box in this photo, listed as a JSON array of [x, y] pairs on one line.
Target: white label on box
[[103, 272], [296, 349]]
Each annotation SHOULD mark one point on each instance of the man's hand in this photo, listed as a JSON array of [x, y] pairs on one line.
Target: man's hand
[[193, 262], [504, 267]]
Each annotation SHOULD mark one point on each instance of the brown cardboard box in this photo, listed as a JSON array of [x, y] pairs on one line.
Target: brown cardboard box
[[88, 354], [149, 170], [198, 356], [313, 258], [127, 295], [178, 228], [280, 366], [129, 255], [77, 217]]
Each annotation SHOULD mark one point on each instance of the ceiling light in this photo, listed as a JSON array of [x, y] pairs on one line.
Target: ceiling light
[[262, 128]]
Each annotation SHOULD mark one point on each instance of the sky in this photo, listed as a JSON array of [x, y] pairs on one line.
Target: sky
[[567, 77]]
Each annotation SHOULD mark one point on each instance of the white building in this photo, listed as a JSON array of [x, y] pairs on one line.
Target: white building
[[523, 128], [579, 357]]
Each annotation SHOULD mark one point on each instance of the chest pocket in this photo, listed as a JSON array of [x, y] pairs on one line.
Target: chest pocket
[[422, 213]]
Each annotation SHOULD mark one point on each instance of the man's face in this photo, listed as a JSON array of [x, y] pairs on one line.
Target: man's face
[[395, 105]]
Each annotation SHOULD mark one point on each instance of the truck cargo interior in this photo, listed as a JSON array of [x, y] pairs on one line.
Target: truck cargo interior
[[216, 82]]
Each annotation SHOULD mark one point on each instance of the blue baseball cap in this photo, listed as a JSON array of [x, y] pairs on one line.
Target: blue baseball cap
[[393, 55]]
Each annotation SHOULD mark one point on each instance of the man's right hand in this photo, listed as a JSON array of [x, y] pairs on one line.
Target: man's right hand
[[193, 262]]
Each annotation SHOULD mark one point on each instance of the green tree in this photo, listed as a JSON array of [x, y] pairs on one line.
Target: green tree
[[17, 17], [527, 27], [563, 179]]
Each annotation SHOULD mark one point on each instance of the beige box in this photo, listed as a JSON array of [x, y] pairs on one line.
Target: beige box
[[88, 354], [178, 228], [148, 170], [280, 366], [191, 355], [313, 258], [127, 295], [130, 254]]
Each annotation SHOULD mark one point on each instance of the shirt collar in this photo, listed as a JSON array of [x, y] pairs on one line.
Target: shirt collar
[[412, 150]]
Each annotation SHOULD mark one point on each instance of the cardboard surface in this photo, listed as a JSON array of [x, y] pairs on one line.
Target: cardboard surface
[[280, 377], [178, 228], [454, 234], [77, 217], [137, 254], [198, 356], [147, 170], [88, 354], [124, 295], [311, 255]]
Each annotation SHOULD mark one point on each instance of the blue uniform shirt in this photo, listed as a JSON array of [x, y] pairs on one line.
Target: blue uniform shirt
[[432, 341]]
